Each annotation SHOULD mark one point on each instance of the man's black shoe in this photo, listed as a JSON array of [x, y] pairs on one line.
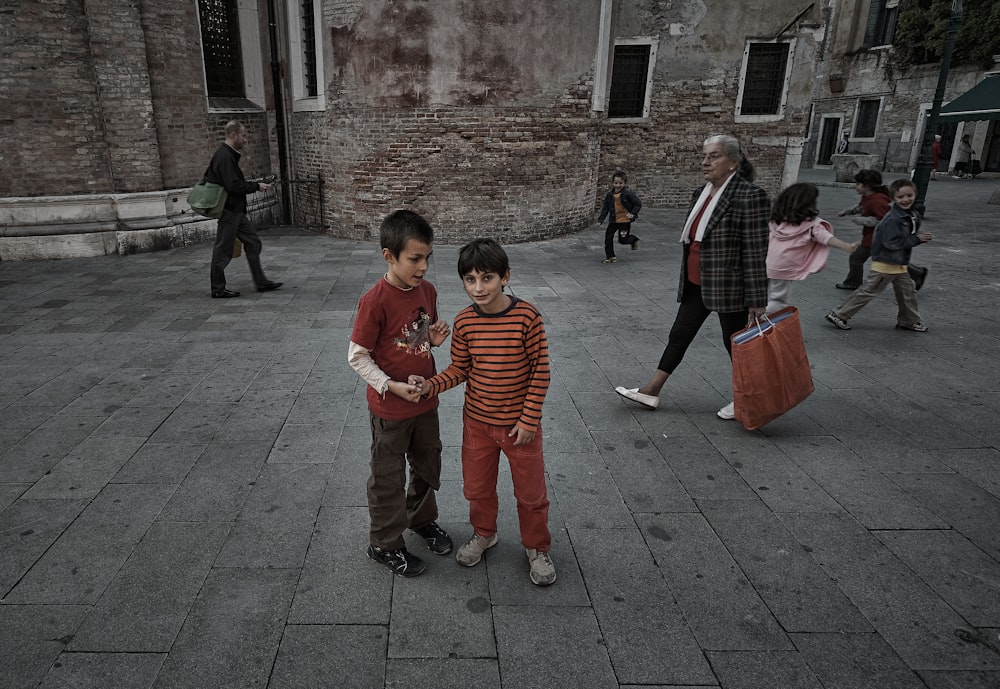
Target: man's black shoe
[[224, 294], [268, 286], [438, 541], [400, 561], [843, 285]]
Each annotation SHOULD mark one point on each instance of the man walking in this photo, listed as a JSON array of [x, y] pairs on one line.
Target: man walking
[[234, 224]]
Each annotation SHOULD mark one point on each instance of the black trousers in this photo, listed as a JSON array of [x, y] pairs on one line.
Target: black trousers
[[691, 315], [625, 238], [233, 225], [856, 266]]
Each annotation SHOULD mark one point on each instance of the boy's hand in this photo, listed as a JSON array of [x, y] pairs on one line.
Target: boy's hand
[[438, 333], [421, 383], [408, 392], [925, 236], [521, 436]]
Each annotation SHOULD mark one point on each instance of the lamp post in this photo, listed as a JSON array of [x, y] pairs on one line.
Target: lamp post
[[922, 173]]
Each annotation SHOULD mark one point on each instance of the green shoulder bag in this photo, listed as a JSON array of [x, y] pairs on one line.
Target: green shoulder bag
[[208, 199]]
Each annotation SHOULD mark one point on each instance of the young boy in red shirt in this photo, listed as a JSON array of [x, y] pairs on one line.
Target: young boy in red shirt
[[396, 326]]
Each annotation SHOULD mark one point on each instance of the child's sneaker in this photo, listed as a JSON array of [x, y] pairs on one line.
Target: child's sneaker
[[472, 552], [612, 259], [438, 541], [542, 572], [635, 245], [401, 561], [837, 321]]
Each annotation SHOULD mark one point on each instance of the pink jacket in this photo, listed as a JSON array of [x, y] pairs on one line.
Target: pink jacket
[[795, 251]]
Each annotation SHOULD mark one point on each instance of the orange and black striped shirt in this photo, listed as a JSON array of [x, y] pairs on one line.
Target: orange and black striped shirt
[[503, 359]]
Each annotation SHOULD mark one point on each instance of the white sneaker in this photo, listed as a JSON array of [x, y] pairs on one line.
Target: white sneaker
[[543, 572], [472, 552], [727, 412], [636, 396]]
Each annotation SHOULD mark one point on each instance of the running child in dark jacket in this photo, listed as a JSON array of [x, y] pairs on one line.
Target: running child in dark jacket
[[894, 239], [622, 205]]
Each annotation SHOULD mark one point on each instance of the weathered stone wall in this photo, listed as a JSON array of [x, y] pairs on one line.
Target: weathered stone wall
[[108, 97]]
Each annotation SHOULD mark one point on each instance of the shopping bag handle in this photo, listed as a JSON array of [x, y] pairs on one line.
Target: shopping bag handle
[[749, 334]]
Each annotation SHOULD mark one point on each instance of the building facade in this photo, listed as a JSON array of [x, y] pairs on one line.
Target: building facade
[[861, 92], [504, 119]]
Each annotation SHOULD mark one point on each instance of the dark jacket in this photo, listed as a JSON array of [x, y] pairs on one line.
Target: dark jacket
[[630, 201], [225, 169], [896, 236], [733, 249]]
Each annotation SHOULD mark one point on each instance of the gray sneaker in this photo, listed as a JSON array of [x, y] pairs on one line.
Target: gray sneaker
[[837, 321], [472, 552], [543, 572]]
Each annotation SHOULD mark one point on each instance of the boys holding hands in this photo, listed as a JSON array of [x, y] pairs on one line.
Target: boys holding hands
[[395, 328], [499, 350]]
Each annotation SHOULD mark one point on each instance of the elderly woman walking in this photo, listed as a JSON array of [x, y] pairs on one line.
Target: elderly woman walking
[[724, 266]]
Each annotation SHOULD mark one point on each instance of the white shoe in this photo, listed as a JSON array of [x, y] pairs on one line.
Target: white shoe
[[541, 569], [636, 396], [727, 412]]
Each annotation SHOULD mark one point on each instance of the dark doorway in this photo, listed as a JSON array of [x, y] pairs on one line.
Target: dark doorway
[[828, 139]]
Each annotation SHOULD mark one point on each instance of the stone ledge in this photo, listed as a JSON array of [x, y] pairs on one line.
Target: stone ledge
[[48, 227]]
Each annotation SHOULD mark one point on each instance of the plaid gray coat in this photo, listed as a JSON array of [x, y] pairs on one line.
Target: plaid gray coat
[[733, 249]]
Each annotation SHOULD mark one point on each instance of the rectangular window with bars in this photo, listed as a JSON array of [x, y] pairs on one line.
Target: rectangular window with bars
[[220, 40], [764, 79], [629, 78], [310, 83]]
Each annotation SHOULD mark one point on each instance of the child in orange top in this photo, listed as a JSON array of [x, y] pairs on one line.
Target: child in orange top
[[499, 350], [622, 205]]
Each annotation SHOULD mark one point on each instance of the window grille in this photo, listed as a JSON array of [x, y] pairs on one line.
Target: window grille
[[867, 118], [881, 27], [220, 40], [309, 79], [764, 82], [628, 81]]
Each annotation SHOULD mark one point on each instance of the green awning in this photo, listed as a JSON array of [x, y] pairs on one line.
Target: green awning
[[981, 102]]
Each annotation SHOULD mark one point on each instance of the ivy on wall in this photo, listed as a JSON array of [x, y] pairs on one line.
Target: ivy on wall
[[922, 29]]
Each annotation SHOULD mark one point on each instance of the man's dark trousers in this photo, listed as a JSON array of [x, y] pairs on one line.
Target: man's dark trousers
[[233, 225]]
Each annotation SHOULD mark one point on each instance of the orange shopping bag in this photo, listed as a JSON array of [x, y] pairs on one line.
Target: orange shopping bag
[[770, 368]]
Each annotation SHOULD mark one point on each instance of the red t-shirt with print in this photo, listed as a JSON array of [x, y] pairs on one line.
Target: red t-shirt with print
[[393, 323]]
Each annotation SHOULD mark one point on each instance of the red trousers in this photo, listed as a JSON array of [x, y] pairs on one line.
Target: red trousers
[[481, 446]]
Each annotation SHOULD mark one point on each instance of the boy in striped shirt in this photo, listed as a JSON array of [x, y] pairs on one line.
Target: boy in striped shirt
[[499, 350]]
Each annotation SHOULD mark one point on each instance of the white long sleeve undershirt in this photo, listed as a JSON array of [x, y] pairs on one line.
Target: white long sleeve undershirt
[[361, 361]]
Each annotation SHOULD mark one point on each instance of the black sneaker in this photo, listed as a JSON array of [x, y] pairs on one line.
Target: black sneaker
[[400, 561], [438, 541]]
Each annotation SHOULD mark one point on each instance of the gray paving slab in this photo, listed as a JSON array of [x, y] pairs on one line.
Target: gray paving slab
[[81, 563], [231, 636], [646, 634], [31, 639], [763, 670], [717, 599], [551, 646], [802, 597], [915, 621], [966, 507], [352, 657], [452, 673], [146, 603], [855, 661], [105, 670]]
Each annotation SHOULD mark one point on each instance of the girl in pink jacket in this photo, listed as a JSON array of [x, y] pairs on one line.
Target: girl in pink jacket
[[798, 244]]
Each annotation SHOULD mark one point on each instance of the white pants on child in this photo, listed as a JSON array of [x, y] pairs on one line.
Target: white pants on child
[[779, 293]]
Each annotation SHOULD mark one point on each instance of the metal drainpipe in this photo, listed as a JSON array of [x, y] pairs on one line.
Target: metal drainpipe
[[279, 113]]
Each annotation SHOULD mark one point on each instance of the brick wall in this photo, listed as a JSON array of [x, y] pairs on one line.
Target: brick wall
[[51, 132]]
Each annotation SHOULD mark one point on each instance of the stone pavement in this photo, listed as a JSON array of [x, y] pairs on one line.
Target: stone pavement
[[183, 502]]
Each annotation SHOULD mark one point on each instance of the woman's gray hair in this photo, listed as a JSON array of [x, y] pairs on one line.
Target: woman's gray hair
[[732, 149]]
